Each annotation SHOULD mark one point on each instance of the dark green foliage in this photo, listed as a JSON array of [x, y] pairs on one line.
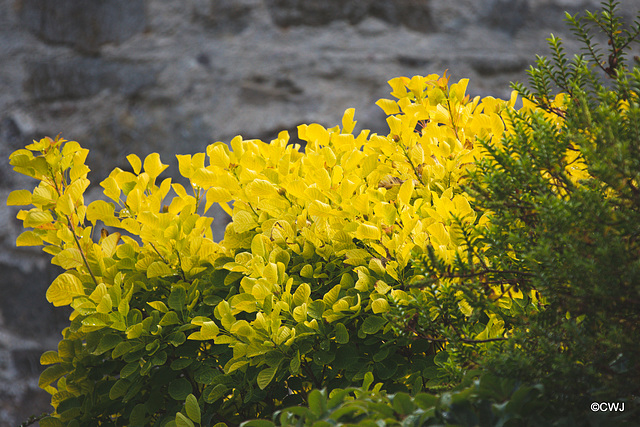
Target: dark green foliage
[[573, 241]]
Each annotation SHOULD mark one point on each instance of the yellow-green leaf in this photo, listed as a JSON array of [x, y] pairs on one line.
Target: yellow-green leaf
[[265, 376], [243, 221], [380, 306], [50, 357], [158, 269], [36, 217], [19, 198], [302, 294], [68, 259], [192, 408], [63, 289], [51, 374], [28, 238], [366, 231]]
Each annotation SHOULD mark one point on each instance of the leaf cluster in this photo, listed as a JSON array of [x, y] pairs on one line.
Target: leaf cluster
[[307, 290]]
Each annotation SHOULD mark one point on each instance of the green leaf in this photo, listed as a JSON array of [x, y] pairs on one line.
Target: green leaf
[[265, 376], [426, 401], [302, 294], [322, 358], [367, 381], [372, 324], [119, 388], [129, 369], [138, 413], [121, 349], [317, 403], [177, 298], [51, 422], [183, 421], [307, 271], [441, 358], [51, 374], [179, 364], [257, 423], [107, 342], [177, 338], [50, 357], [294, 365], [342, 335], [402, 403], [315, 309], [180, 388], [171, 318], [192, 408], [159, 305], [216, 393], [243, 221]]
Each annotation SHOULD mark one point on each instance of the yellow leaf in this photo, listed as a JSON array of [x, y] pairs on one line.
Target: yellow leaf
[[380, 306], [110, 244], [99, 210], [28, 238], [209, 330], [135, 163], [261, 188], [204, 178], [63, 289], [36, 217], [347, 120], [388, 106], [366, 231], [406, 191], [68, 259], [111, 188], [65, 205], [19, 198], [243, 221], [153, 166]]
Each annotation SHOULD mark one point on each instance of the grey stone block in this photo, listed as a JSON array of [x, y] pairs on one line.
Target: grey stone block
[[84, 24], [80, 77], [227, 16], [414, 14], [286, 13]]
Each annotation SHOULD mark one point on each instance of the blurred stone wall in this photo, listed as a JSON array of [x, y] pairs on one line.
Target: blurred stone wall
[[136, 76]]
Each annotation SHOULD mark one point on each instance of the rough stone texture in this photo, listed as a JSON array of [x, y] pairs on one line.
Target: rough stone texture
[[142, 76], [80, 77], [83, 24]]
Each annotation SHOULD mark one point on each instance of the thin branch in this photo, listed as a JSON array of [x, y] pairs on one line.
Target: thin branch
[[84, 258]]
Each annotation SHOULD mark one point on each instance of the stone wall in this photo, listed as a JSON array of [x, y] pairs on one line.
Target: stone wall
[[136, 76]]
